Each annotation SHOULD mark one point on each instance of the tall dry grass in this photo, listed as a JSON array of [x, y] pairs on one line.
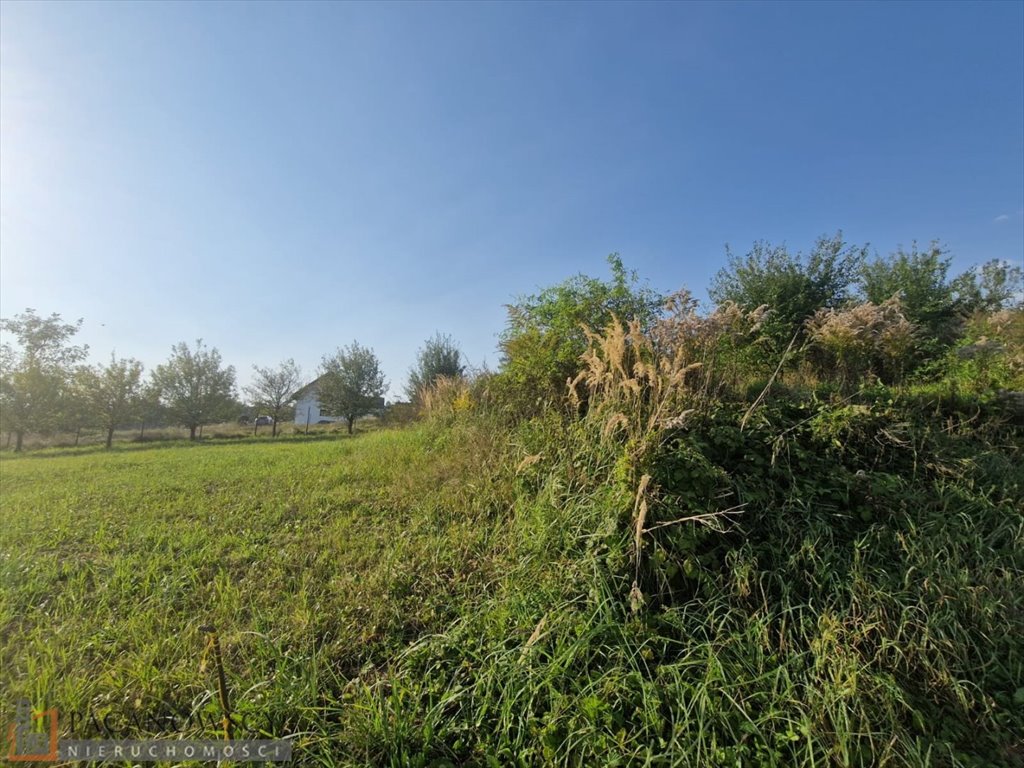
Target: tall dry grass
[[637, 387], [864, 340]]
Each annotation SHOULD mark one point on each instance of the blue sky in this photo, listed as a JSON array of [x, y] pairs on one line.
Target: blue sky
[[281, 179]]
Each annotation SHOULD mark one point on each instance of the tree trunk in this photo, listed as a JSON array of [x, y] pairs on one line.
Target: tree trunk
[[273, 427], [142, 429], [78, 434], [255, 428], [350, 419], [192, 433], [110, 436], [9, 436], [17, 444]]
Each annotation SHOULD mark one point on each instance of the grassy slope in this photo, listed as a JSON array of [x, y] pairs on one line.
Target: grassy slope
[[414, 598], [866, 609]]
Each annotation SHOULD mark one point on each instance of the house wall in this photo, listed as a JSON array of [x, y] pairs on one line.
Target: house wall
[[310, 404]]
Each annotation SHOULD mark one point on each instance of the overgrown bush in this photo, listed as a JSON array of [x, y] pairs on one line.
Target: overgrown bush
[[439, 356], [696, 577], [546, 334], [861, 341], [793, 286], [447, 396]]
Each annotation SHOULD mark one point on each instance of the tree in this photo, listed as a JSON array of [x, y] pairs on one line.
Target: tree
[[993, 286], [76, 410], [352, 383], [792, 287], [272, 388], [113, 393], [151, 410], [545, 333], [439, 356], [928, 298], [194, 386], [35, 376]]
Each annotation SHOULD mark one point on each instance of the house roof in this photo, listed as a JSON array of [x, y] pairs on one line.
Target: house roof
[[380, 402], [302, 391]]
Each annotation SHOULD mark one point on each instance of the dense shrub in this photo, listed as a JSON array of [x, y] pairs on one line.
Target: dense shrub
[[439, 356], [930, 298], [701, 575], [546, 334], [860, 341], [792, 286]]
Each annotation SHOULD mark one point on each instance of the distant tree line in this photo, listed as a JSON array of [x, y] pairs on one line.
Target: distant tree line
[[46, 387]]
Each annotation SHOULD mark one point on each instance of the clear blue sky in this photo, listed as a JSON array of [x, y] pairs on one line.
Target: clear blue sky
[[280, 179]]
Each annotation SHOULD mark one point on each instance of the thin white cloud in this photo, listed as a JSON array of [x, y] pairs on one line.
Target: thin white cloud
[[1002, 218]]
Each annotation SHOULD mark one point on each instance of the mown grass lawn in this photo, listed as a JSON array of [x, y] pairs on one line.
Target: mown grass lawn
[[313, 558]]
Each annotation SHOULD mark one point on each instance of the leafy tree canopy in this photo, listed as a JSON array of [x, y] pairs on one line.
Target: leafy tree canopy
[[195, 387], [352, 383], [113, 392], [544, 335], [36, 372], [272, 388], [439, 356], [992, 286], [792, 286]]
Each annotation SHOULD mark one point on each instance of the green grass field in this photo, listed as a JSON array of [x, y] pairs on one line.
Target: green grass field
[[456, 593], [314, 558]]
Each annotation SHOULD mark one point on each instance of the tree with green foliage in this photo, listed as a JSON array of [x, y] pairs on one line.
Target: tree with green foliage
[[439, 356], [928, 297], [76, 410], [545, 333], [195, 387], [113, 393], [992, 286], [36, 374], [352, 383], [272, 388], [793, 287], [151, 410]]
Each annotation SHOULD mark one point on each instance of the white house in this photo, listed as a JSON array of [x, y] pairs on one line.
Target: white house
[[307, 406]]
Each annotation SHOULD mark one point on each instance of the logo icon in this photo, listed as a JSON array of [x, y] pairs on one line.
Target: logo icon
[[25, 742]]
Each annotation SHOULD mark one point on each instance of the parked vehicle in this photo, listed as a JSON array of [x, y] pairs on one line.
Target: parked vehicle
[[264, 421]]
